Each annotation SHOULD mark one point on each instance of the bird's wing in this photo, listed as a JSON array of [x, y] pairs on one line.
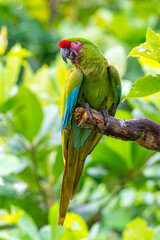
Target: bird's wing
[[69, 96], [116, 88]]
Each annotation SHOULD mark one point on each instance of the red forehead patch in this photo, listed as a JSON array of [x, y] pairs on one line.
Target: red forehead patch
[[65, 43]]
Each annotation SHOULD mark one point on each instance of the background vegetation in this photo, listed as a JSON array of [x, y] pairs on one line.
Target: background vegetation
[[119, 193]]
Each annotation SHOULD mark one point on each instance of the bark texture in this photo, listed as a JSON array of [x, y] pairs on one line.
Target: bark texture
[[143, 131]]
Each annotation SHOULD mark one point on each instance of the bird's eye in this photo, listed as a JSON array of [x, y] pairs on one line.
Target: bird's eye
[[75, 43]]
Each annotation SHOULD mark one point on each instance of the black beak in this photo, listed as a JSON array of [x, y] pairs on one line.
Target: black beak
[[67, 53]]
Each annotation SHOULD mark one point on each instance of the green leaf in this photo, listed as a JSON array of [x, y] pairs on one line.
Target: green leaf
[[28, 204], [150, 49], [4, 41], [76, 227], [27, 225], [50, 122], [142, 51], [8, 191], [58, 166], [12, 69], [18, 51], [108, 157], [153, 42], [12, 218], [27, 175], [123, 114], [3, 212], [13, 234], [35, 81], [56, 231], [145, 86], [9, 164], [149, 53], [8, 105], [27, 114], [1, 82], [137, 229], [34, 11], [45, 233], [116, 219]]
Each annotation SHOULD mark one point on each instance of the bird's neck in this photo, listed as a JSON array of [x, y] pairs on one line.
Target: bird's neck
[[91, 66]]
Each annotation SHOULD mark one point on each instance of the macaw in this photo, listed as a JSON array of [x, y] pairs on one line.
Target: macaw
[[96, 84]]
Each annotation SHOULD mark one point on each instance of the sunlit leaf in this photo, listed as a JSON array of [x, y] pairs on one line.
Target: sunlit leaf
[[3, 212], [18, 51], [10, 73], [145, 86], [2, 69], [153, 42], [151, 64], [150, 49], [76, 227], [123, 114], [137, 229], [12, 218], [142, 51], [61, 73], [3, 40]]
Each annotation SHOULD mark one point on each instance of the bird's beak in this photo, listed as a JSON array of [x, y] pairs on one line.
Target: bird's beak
[[67, 53]]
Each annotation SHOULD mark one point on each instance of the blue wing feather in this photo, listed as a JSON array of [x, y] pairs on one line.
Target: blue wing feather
[[80, 135], [69, 107], [120, 90]]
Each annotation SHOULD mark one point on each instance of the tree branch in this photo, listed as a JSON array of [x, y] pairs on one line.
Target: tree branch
[[143, 131]]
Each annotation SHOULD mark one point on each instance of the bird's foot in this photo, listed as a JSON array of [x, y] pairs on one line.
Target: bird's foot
[[105, 116], [88, 109]]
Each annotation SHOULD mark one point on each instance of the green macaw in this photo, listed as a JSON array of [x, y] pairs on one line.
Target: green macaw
[[92, 82]]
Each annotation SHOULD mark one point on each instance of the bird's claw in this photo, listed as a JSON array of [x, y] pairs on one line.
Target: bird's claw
[[88, 109], [105, 116]]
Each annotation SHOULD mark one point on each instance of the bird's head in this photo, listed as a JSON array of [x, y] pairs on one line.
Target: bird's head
[[70, 50], [76, 49]]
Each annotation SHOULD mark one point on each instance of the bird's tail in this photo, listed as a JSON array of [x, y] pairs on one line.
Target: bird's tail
[[70, 158], [73, 167], [64, 198]]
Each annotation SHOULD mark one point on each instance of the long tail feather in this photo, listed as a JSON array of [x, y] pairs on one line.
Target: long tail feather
[[92, 141], [64, 198], [74, 160], [71, 161]]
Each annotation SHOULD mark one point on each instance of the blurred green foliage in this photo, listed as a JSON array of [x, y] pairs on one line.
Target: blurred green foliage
[[119, 193]]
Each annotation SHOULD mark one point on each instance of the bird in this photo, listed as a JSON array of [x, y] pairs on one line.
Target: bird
[[93, 83]]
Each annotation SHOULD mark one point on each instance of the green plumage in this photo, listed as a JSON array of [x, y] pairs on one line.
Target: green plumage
[[94, 82]]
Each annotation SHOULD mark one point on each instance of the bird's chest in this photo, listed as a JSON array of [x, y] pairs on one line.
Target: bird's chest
[[94, 87]]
